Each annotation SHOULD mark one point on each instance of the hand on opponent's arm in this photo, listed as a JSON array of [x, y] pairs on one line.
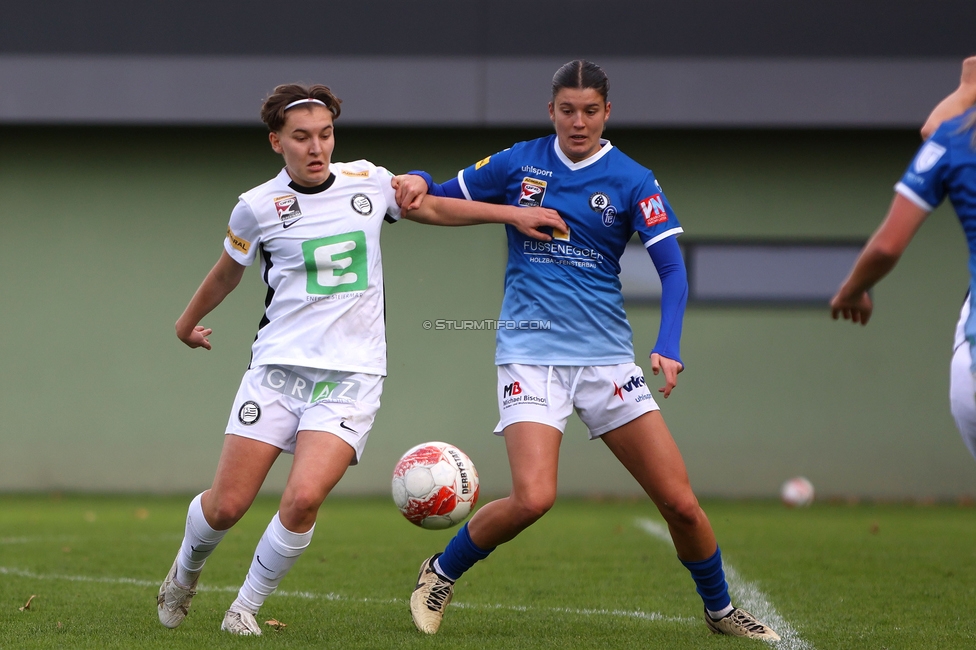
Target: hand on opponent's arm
[[442, 211], [957, 102], [410, 191], [222, 279]]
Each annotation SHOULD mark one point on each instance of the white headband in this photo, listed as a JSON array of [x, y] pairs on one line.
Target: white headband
[[305, 101]]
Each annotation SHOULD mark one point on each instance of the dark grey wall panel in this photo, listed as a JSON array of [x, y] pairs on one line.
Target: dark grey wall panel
[[564, 28], [474, 91]]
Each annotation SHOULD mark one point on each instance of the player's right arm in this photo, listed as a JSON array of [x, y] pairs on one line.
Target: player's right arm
[[222, 279], [879, 256], [957, 102]]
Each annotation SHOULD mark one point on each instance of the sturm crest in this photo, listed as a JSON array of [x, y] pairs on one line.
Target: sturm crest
[[435, 485]]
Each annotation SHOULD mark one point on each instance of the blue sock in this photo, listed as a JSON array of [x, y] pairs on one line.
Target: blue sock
[[710, 579], [460, 555]]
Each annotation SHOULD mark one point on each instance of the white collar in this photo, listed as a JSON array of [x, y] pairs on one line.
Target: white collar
[[605, 148]]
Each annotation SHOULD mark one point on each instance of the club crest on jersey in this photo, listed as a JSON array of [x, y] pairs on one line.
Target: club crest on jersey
[[361, 204], [599, 201], [928, 156], [652, 208], [288, 209], [533, 191]]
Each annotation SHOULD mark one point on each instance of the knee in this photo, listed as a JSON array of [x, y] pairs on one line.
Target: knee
[[301, 504], [224, 512], [682, 511], [531, 507]]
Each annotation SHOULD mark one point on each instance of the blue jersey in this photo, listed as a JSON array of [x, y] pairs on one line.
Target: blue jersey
[[563, 304], [946, 166]]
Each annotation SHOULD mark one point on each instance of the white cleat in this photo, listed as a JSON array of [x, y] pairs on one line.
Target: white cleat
[[173, 601], [430, 598], [739, 622], [240, 623]]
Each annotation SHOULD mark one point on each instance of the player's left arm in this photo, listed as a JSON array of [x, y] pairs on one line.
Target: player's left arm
[[670, 265], [957, 102], [879, 256], [442, 211]]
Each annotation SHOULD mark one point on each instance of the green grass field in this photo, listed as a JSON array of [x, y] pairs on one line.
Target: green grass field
[[591, 574]]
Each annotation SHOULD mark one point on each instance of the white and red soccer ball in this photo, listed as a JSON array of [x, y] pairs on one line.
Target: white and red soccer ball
[[435, 485], [797, 492]]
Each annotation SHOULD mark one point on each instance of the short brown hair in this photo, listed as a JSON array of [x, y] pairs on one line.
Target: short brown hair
[[273, 109]]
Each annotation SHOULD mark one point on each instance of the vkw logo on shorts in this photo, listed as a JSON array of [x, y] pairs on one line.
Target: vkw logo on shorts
[[361, 204], [634, 382], [250, 413]]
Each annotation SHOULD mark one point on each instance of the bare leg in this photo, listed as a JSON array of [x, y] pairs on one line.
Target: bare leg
[[533, 454], [647, 450], [321, 459], [243, 466]]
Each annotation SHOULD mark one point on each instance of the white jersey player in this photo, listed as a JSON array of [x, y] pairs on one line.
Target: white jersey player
[[318, 362]]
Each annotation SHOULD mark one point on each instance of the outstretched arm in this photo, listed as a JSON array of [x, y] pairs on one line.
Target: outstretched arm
[[441, 211], [222, 279], [879, 256], [957, 102]]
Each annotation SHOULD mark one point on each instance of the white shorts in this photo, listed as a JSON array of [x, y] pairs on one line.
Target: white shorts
[[962, 396], [605, 397], [274, 403]]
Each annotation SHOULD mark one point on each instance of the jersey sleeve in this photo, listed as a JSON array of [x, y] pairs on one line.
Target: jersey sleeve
[[654, 219], [487, 179], [924, 181], [385, 178], [243, 234]]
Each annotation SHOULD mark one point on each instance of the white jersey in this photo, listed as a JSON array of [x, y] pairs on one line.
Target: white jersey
[[320, 257]]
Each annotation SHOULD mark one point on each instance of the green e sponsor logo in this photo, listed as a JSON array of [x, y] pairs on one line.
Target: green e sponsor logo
[[336, 264]]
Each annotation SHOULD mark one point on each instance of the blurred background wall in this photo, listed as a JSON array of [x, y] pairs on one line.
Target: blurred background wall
[[126, 135]]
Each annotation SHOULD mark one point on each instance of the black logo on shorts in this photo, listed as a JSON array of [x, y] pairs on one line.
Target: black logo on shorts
[[250, 413]]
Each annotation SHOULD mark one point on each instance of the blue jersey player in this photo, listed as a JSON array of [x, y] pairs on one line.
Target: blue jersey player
[[944, 167], [564, 342]]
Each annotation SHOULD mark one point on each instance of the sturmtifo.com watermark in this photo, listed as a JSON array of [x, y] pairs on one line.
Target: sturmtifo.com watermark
[[487, 324]]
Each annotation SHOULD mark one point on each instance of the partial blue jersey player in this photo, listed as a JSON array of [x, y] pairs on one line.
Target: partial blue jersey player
[[564, 343], [944, 167], [604, 200]]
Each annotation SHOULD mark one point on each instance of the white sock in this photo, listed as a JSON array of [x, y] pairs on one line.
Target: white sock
[[199, 541], [721, 613], [276, 553]]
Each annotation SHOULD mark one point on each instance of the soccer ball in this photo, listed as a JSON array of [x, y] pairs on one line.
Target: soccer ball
[[435, 485], [797, 492]]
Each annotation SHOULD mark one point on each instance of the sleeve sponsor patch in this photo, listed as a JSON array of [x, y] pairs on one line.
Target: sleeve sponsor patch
[[481, 163], [928, 156], [240, 244], [652, 209]]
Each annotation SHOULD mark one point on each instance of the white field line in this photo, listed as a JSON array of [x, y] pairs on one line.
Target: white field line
[[617, 613], [746, 593]]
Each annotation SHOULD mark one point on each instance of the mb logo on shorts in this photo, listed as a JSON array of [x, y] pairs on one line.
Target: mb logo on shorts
[[333, 387]]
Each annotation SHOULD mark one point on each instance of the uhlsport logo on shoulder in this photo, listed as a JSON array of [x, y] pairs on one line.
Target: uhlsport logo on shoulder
[[928, 156], [533, 192], [634, 382]]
